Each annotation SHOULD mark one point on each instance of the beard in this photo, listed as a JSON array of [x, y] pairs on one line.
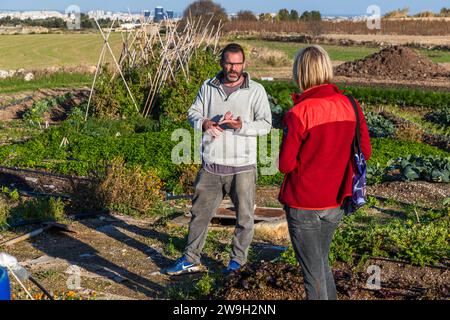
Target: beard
[[233, 76]]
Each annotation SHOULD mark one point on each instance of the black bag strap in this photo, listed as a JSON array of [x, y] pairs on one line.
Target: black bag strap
[[357, 139]]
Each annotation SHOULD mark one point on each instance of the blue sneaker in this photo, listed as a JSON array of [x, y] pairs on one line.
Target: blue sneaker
[[182, 266], [233, 266]]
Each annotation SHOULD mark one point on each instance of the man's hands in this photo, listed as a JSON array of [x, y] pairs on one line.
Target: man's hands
[[213, 128], [230, 122]]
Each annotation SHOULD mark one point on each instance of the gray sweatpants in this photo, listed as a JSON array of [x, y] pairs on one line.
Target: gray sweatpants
[[210, 189], [311, 234]]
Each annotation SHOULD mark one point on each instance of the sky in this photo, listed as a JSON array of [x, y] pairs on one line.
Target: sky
[[344, 7]]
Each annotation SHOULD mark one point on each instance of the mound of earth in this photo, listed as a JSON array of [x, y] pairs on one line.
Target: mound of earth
[[395, 63]]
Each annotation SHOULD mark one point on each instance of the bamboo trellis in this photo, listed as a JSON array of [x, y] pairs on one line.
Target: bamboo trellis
[[162, 44]]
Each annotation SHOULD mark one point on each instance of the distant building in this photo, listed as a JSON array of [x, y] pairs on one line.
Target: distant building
[[169, 14], [146, 16], [159, 14]]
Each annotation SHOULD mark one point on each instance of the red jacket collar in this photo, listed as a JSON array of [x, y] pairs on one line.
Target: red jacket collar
[[320, 91]]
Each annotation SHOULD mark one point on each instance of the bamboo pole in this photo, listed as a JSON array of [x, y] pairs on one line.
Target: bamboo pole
[[117, 65], [102, 53]]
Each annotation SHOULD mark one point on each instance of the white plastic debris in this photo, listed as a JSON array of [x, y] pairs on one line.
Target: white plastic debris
[[9, 262], [29, 76]]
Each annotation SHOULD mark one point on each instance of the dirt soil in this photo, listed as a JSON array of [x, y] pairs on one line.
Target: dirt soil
[[119, 257], [399, 281], [13, 106], [392, 39], [394, 63]]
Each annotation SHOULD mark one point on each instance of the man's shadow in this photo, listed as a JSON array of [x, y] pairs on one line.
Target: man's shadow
[[151, 233], [69, 249]]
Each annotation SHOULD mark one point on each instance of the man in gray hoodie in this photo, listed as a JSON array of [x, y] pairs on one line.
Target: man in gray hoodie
[[232, 111]]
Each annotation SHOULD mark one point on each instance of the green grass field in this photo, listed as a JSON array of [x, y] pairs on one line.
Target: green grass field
[[38, 51]]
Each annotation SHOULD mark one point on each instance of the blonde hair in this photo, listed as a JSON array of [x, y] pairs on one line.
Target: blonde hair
[[312, 67]]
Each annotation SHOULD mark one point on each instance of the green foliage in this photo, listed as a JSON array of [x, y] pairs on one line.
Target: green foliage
[[418, 243], [216, 244], [170, 249], [195, 289], [282, 91], [12, 194], [283, 15], [176, 98], [52, 22], [98, 141], [204, 286], [112, 99], [400, 97], [85, 152], [379, 127], [386, 149], [48, 209], [288, 256], [4, 212], [311, 16], [431, 168], [36, 113], [441, 116]]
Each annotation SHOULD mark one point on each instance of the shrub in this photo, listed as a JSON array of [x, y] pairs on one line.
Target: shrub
[[176, 98], [187, 175], [409, 132], [36, 113], [111, 98], [47, 209], [130, 188]]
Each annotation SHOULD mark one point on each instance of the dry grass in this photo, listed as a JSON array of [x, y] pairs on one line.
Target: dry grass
[[416, 26], [129, 186], [274, 232], [409, 132], [266, 57], [188, 173]]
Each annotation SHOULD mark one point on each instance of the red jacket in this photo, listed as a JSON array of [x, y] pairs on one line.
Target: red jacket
[[316, 151]]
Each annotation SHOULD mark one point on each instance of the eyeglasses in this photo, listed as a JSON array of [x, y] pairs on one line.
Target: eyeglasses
[[230, 64]]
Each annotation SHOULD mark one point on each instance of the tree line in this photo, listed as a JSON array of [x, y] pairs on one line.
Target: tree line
[[54, 23]]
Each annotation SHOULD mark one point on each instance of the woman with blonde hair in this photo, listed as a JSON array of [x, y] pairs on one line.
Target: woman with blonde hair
[[316, 158]]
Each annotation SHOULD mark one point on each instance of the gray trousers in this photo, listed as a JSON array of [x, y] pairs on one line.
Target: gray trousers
[[311, 234], [210, 189]]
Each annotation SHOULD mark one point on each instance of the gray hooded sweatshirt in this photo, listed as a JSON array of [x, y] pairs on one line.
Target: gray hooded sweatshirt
[[236, 148]]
